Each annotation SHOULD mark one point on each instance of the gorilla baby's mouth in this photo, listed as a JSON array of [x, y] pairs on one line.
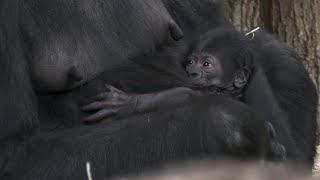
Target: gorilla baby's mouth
[[198, 84]]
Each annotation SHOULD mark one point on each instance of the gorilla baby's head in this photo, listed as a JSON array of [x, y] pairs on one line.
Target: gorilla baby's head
[[221, 58]]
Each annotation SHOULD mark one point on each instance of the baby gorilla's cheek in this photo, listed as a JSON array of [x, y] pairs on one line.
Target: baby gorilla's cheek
[[214, 81], [199, 82]]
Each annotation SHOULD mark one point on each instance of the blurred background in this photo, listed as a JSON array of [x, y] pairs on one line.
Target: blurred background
[[297, 22]]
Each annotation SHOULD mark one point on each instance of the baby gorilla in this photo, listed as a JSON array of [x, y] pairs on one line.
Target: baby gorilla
[[212, 68], [222, 68]]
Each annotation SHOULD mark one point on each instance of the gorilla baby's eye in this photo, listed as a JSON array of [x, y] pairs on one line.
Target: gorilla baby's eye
[[190, 61], [206, 64]]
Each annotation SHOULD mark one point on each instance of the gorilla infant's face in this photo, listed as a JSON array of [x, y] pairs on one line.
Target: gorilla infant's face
[[204, 69]]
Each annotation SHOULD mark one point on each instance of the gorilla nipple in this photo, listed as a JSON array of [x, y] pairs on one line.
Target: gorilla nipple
[[74, 74], [175, 32]]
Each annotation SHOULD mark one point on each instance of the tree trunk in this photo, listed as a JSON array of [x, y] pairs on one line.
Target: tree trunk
[[297, 22], [245, 14]]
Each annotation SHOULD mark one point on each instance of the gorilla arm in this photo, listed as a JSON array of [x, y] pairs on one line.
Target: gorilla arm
[[114, 102]]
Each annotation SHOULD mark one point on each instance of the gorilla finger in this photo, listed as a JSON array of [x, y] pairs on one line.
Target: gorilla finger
[[270, 129], [111, 88], [93, 106], [108, 88], [123, 96], [100, 115], [102, 96], [114, 103], [278, 150], [175, 32]]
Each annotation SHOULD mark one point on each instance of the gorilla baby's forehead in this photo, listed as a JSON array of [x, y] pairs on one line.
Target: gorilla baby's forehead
[[201, 54], [219, 39], [222, 43]]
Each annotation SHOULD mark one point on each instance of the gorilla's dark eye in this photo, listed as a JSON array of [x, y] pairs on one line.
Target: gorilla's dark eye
[[190, 61], [206, 64]]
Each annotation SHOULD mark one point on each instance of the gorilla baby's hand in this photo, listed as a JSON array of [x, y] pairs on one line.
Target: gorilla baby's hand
[[277, 151], [112, 102]]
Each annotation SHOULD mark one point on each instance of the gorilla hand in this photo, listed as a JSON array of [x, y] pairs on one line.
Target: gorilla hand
[[111, 102]]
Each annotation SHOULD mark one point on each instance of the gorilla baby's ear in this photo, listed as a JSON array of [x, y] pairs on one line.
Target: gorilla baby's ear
[[241, 78]]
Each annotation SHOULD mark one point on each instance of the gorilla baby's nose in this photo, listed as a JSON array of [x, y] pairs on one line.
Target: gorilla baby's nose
[[194, 75]]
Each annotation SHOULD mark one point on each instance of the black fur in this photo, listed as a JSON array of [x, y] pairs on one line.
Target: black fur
[[41, 40], [280, 90], [283, 90], [43, 137], [165, 71], [198, 130]]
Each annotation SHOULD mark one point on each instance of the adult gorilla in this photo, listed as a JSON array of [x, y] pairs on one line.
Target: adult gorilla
[[53, 46], [35, 38]]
